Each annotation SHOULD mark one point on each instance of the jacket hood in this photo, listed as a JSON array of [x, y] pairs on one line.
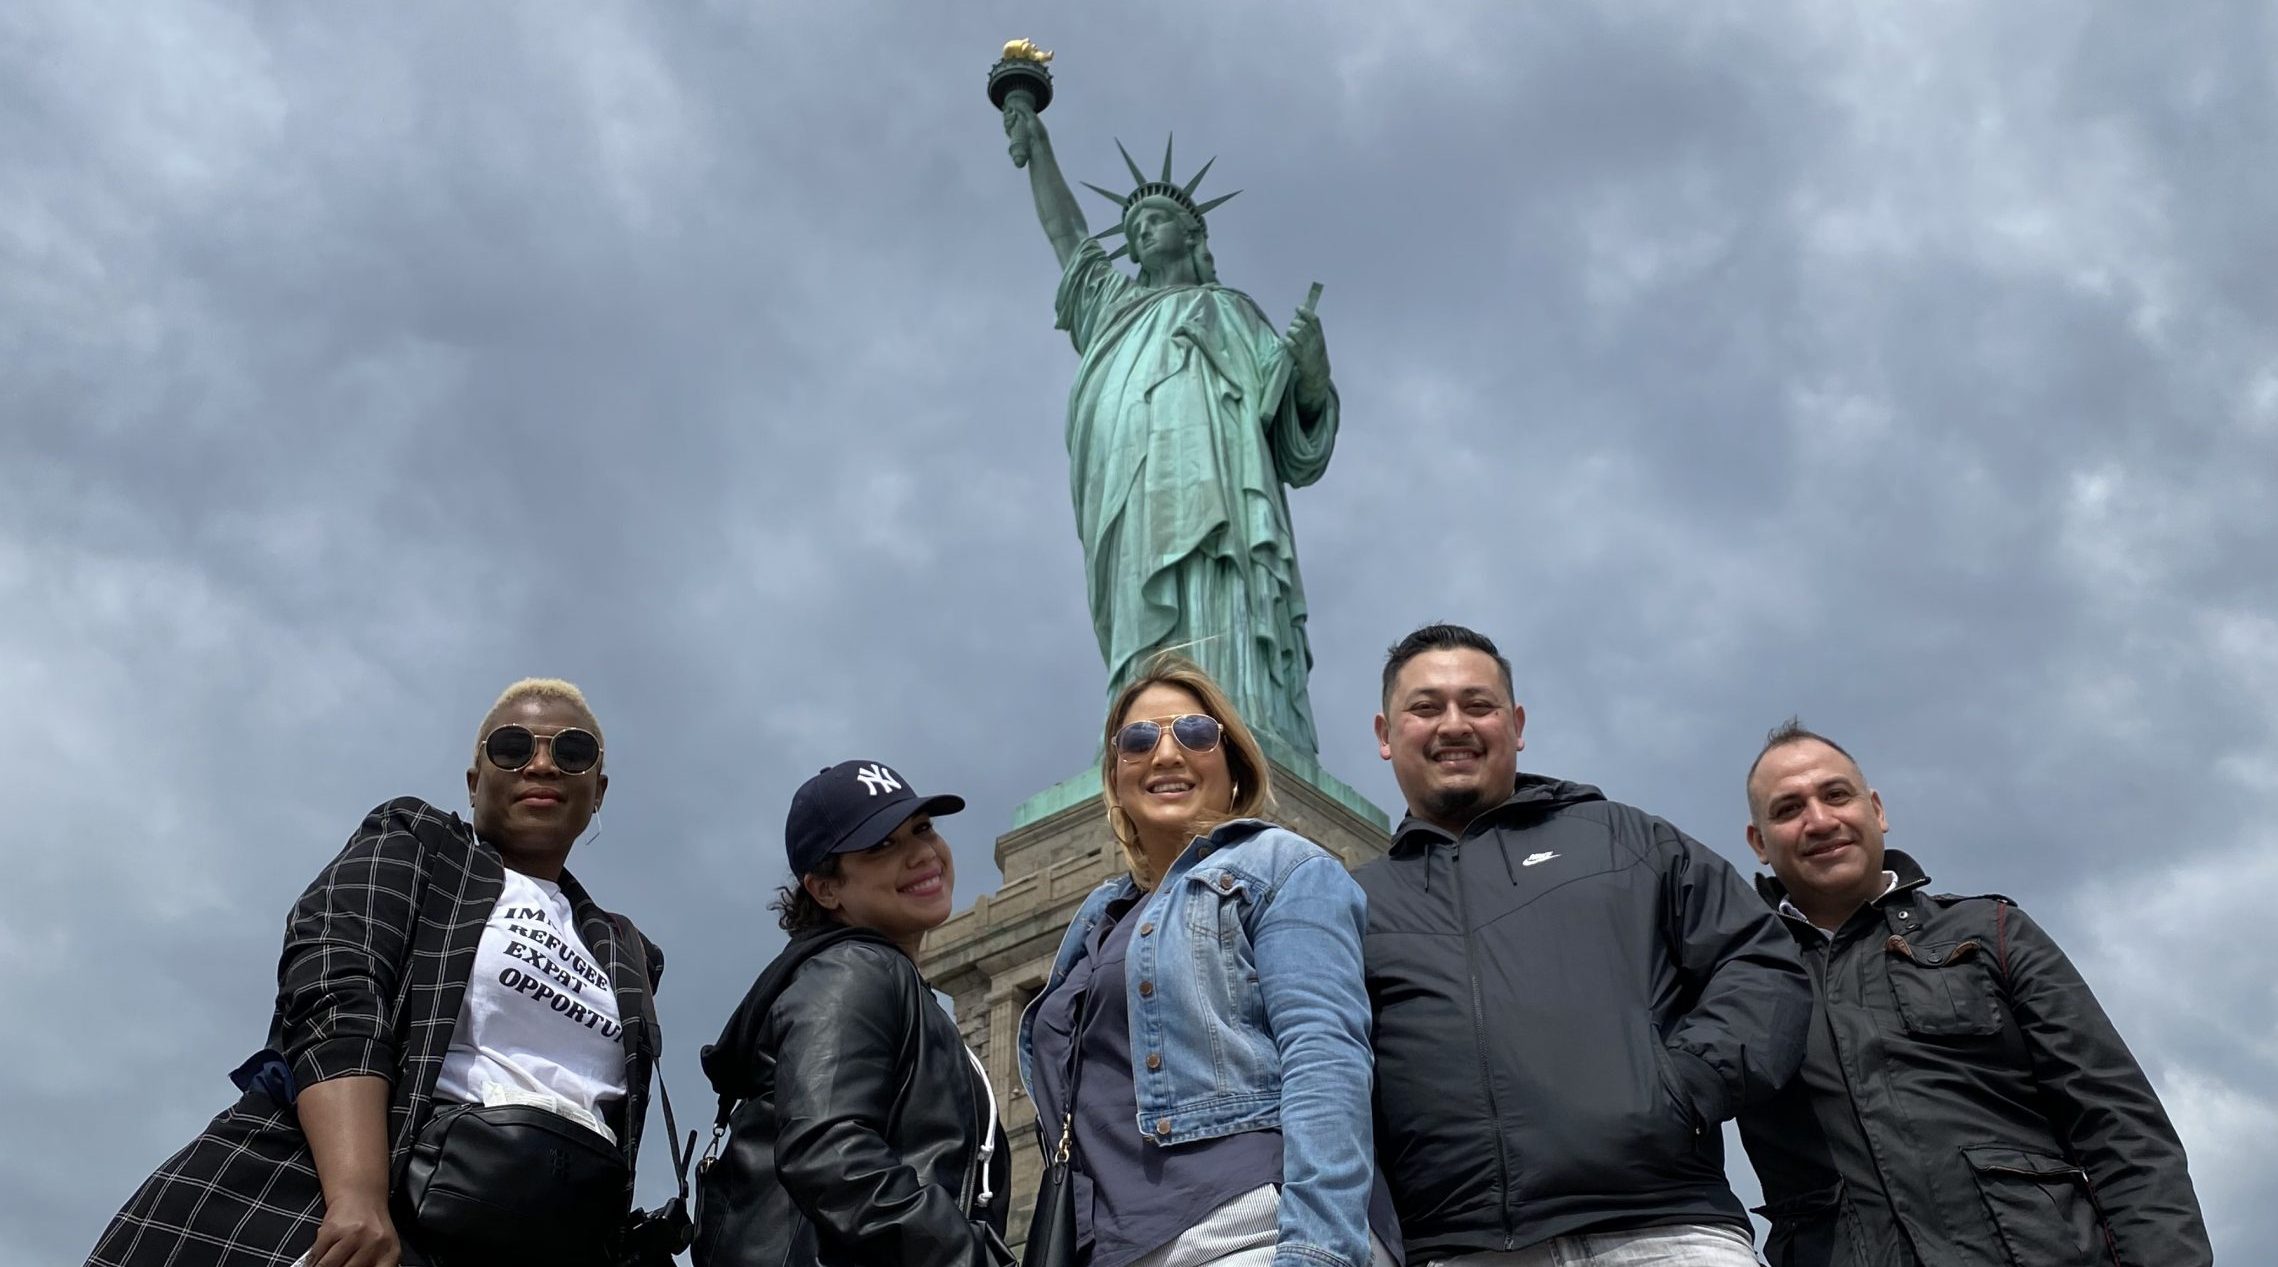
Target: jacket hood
[[1535, 794], [729, 1062]]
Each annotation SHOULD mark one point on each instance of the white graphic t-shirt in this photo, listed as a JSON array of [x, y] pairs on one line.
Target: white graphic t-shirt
[[540, 1022]]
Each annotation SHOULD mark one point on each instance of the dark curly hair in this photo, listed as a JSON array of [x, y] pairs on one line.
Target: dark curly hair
[[796, 910]]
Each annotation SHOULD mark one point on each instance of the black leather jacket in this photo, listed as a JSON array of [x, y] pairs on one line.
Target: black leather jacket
[[857, 1120], [1964, 1103]]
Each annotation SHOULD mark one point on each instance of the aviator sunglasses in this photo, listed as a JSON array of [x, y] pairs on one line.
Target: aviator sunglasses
[[1196, 732], [574, 751]]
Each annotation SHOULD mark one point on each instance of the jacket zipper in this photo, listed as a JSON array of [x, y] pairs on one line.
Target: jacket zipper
[[1479, 1043]]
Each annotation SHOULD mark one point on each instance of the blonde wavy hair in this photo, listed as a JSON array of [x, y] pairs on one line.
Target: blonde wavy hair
[[1245, 760]]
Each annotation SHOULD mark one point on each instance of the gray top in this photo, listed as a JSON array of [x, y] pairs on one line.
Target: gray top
[[1132, 1195]]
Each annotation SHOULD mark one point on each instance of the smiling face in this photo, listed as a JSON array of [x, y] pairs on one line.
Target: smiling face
[[1170, 794], [1453, 735], [901, 886], [1814, 821], [534, 814]]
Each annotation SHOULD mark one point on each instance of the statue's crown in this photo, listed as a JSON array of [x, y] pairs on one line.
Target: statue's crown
[[1161, 187]]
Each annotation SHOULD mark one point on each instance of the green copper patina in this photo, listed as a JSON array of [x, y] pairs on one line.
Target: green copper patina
[[1189, 414]]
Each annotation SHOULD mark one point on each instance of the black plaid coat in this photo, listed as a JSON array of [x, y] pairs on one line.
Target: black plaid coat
[[377, 956]]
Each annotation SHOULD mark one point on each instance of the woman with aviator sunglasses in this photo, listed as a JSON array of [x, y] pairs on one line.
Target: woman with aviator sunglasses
[[443, 983], [1200, 1054]]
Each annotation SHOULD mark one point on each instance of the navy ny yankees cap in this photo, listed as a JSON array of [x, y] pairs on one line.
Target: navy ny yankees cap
[[850, 807]]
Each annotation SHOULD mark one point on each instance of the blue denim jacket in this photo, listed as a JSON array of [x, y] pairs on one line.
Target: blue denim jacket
[[1244, 976]]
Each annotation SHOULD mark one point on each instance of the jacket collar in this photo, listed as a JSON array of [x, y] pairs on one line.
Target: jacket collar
[[1898, 862], [1231, 832], [1532, 796]]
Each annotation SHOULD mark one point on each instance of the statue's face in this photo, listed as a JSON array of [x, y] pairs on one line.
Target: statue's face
[[1159, 231]]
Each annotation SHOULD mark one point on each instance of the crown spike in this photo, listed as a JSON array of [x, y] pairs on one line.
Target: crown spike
[[1137, 177], [1196, 183], [1221, 199], [1109, 194], [1168, 138]]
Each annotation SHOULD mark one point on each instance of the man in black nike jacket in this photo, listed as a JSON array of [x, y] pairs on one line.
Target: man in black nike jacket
[[1571, 996], [1964, 1101]]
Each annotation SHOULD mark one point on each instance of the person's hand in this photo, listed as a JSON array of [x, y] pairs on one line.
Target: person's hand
[[356, 1233], [1023, 127], [1309, 352]]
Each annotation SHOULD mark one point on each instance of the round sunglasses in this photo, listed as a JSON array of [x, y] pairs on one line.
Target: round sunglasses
[[511, 747], [1196, 732]]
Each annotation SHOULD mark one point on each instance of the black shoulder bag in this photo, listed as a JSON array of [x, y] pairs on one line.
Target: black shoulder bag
[[1052, 1225], [514, 1180], [519, 1181], [522, 1182]]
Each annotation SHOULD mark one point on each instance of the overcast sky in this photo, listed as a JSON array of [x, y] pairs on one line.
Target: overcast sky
[[1912, 372]]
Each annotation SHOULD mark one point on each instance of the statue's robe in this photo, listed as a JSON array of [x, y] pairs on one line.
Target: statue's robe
[[1182, 429]]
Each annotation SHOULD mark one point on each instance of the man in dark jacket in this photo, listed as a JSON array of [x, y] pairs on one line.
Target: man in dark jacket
[[1570, 996], [1964, 1101]]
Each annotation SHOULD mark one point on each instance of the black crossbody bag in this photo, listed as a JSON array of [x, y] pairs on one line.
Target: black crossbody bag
[[514, 1179], [1052, 1226], [521, 1182]]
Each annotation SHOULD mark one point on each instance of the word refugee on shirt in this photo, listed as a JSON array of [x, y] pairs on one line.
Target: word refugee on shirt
[[542, 936], [536, 987]]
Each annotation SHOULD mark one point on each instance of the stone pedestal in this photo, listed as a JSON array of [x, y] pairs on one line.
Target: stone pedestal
[[992, 958]]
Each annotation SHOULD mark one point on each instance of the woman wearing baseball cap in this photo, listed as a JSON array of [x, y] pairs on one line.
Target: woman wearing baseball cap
[[854, 1123], [1199, 1056]]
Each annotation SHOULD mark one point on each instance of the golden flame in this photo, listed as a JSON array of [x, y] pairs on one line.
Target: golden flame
[[1026, 51]]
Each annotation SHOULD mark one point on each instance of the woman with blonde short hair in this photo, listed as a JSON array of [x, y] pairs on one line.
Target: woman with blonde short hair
[[1200, 1051], [451, 1004]]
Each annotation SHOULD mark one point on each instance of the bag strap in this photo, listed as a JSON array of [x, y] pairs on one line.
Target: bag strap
[[682, 1154], [1087, 1014], [636, 947], [668, 1229]]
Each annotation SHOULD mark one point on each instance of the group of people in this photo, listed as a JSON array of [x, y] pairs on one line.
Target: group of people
[[1510, 1042]]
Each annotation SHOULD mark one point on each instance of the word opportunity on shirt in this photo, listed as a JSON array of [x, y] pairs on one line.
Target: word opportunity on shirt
[[554, 963]]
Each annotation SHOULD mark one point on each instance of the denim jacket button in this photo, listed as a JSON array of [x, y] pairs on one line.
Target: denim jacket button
[[1162, 1126], [1225, 882], [1146, 928], [1154, 1060], [1146, 989]]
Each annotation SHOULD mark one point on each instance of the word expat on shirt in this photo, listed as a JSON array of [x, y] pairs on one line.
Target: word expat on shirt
[[540, 1022]]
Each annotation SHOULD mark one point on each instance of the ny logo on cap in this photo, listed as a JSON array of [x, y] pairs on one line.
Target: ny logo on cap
[[878, 779]]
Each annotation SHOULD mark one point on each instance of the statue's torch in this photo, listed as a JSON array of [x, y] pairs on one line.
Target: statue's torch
[[1020, 76]]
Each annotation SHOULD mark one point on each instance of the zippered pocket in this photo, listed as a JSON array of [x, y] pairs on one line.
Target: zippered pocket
[[2038, 1207]]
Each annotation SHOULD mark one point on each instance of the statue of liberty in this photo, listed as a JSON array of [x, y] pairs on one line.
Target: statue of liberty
[[1188, 415]]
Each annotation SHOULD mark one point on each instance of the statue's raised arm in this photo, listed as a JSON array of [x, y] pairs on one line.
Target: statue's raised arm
[[1021, 87], [1190, 417], [1055, 203]]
